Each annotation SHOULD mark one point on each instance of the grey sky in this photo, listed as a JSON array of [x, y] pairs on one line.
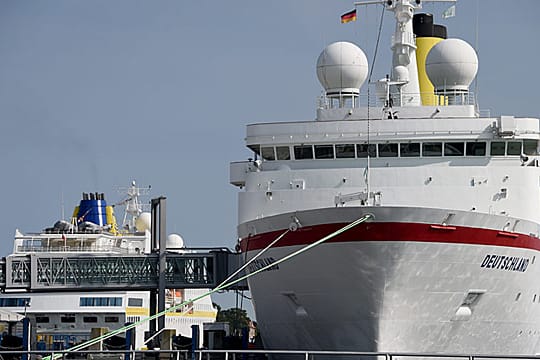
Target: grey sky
[[96, 93]]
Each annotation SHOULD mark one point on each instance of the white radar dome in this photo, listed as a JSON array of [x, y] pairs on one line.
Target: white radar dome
[[452, 64], [342, 67], [143, 222], [174, 241], [401, 73]]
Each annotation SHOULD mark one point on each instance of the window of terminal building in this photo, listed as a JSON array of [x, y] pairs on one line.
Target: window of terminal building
[[283, 153], [345, 151], [42, 319], [100, 301], [303, 152], [409, 149], [388, 150], [530, 147], [432, 149], [15, 302], [324, 151], [513, 148], [476, 148], [497, 148], [454, 149], [90, 319], [267, 153], [135, 302], [67, 319], [362, 150], [111, 319]]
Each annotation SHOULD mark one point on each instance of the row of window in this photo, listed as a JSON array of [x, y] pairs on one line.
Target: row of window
[[100, 301], [14, 302], [409, 149], [83, 301], [72, 319]]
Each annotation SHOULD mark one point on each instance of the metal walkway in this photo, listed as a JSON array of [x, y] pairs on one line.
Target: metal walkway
[[46, 272], [158, 270]]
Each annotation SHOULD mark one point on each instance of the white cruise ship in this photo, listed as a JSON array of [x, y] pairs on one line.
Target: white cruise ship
[[446, 262], [60, 319]]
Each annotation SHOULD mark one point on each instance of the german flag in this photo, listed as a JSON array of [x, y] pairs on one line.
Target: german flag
[[348, 16]]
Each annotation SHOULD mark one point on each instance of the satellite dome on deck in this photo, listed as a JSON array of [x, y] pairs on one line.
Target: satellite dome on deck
[[452, 65], [174, 241], [342, 67], [143, 222]]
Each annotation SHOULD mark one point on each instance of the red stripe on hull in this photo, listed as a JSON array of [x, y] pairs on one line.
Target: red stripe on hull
[[394, 232]]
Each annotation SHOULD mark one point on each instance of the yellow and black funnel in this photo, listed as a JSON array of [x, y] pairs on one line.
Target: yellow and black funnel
[[427, 36]]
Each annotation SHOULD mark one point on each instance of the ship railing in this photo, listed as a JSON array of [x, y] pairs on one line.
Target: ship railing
[[85, 249], [242, 355], [351, 101]]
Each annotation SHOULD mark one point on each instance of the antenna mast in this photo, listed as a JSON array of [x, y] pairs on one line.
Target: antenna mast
[[404, 77]]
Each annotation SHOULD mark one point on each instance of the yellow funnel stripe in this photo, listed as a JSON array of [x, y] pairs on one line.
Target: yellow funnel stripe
[[111, 219], [427, 91]]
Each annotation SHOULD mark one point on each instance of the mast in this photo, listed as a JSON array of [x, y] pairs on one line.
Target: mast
[[134, 208], [404, 68]]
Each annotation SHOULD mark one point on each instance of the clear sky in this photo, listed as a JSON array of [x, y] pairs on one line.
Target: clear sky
[[94, 94]]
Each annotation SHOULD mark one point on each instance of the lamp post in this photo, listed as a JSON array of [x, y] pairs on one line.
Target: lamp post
[[26, 332]]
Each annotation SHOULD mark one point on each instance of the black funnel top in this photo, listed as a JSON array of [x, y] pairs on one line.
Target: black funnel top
[[423, 27]]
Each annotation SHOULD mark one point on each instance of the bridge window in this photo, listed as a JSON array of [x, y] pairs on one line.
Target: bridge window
[[497, 148], [255, 148], [513, 148], [90, 319], [454, 149], [324, 151], [111, 319], [344, 151], [409, 150], [303, 152], [388, 150], [283, 153], [530, 147], [362, 150], [432, 149], [476, 148], [267, 153]]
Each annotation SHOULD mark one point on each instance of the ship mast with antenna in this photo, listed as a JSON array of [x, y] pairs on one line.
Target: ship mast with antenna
[[134, 208], [404, 76]]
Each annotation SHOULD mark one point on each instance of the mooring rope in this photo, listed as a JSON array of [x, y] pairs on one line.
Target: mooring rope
[[216, 289]]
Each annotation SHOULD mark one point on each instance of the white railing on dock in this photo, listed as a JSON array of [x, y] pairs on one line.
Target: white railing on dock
[[238, 355]]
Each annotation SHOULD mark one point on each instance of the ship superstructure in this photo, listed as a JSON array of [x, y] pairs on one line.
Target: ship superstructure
[[60, 319], [447, 262]]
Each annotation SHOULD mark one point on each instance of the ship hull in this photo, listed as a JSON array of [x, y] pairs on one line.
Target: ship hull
[[409, 280]]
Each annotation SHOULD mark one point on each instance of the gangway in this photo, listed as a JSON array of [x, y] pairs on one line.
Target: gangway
[[86, 272], [155, 271]]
